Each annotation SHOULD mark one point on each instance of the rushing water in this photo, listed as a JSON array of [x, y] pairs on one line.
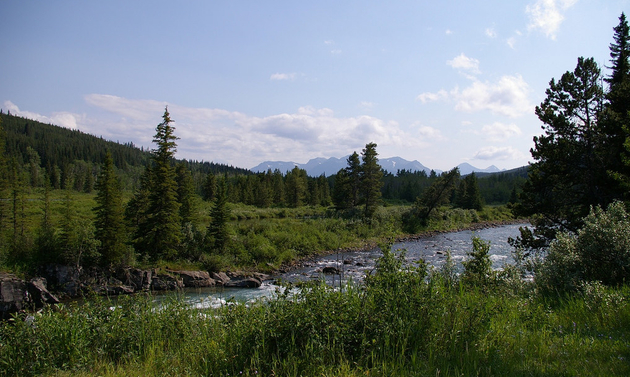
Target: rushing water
[[356, 264]]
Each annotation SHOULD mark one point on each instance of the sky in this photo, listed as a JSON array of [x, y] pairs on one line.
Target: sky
[[441, 82]]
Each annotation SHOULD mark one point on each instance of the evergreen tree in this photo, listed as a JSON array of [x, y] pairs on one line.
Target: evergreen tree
[[47, 247], [296, 187], [468, 195], [186, 195], [353, 172], [109, 222], [434, 196], [160, 232], [217, 236], [209, 187], [371, 175], [341, 190], [568, 175], [616, 120], [4, 185]]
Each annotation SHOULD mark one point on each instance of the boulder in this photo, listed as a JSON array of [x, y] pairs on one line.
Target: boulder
[[140, 280], [250, 282], [195, 279], [64, 279], [39, 294], [12, 294], [328, 270], [166, 282], [220, 277]]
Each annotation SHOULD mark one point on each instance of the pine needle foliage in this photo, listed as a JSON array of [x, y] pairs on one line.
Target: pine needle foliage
[[109, 222]]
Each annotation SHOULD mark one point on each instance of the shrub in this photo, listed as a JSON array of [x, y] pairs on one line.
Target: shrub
[[599, 252]]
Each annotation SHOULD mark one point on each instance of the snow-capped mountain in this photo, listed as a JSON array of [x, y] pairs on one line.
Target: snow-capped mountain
[[330, 166]]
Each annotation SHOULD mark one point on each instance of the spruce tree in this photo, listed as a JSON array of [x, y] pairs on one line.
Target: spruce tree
[[616, 120], [186, 195], [296, 187], [371, 179], [4, 185], [353, 172], [109, 221], [209, 187], [217, 235], [159, 233]]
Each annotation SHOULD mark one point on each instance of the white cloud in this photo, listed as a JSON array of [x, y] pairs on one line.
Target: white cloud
[[335, 52], [63, 119], [464, 63], [366, 105], [499, 153], [498, 131], [547, 15], [431, 97], [430, 133], [244, 140], [508, 96], [448, 32], [282, 76], [491, 33], [511, 42]]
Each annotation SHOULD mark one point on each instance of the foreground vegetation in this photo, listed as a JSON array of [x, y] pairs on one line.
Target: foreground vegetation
[[405, 321]]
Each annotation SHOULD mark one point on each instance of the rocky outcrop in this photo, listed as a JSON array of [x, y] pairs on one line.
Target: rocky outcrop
[[166, 282], [16, 294], [69, 281], [139, 280], [245, 280], [196, 279], [12, 294], [38, 293]]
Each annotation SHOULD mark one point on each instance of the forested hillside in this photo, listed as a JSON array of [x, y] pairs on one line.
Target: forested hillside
[[70, 159]]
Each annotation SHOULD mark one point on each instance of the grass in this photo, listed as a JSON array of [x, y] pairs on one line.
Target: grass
[[399, 324], [261, 238]]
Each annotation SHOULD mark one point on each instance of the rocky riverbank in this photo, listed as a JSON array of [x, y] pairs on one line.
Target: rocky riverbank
[[58, 282]]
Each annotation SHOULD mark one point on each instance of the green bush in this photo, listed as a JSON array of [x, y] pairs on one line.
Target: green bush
[[599, 252]]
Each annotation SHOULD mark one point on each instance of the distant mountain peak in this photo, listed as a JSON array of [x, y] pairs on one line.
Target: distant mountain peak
[[329, 166]]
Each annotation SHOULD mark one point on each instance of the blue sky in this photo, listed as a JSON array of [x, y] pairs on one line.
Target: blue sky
[[441, 82]]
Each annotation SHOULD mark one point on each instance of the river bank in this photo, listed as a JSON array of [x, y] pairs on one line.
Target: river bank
[[57, 283]]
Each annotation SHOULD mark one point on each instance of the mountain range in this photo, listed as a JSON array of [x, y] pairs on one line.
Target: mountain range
[[330, 166]]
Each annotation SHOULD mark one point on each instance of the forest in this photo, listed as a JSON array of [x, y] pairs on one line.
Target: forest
[[45, 165]]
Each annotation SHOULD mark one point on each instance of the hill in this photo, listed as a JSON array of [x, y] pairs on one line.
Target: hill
[[69, 157]]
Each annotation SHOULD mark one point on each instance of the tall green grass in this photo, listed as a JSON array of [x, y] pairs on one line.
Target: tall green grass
[[405, 321]]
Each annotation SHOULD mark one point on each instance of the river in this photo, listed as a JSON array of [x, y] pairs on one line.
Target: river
[[356, 264]]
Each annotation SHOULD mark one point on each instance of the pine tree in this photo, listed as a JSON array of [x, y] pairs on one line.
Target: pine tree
[[296, 187], [109, 221], [569, 174], [616, 120], [159, 232], [217, 235], [209, 187], [353, 172], [371, 175], [4, 184], [186, 195]]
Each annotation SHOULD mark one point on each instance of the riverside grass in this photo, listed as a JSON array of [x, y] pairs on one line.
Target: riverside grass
[[405, 321]]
